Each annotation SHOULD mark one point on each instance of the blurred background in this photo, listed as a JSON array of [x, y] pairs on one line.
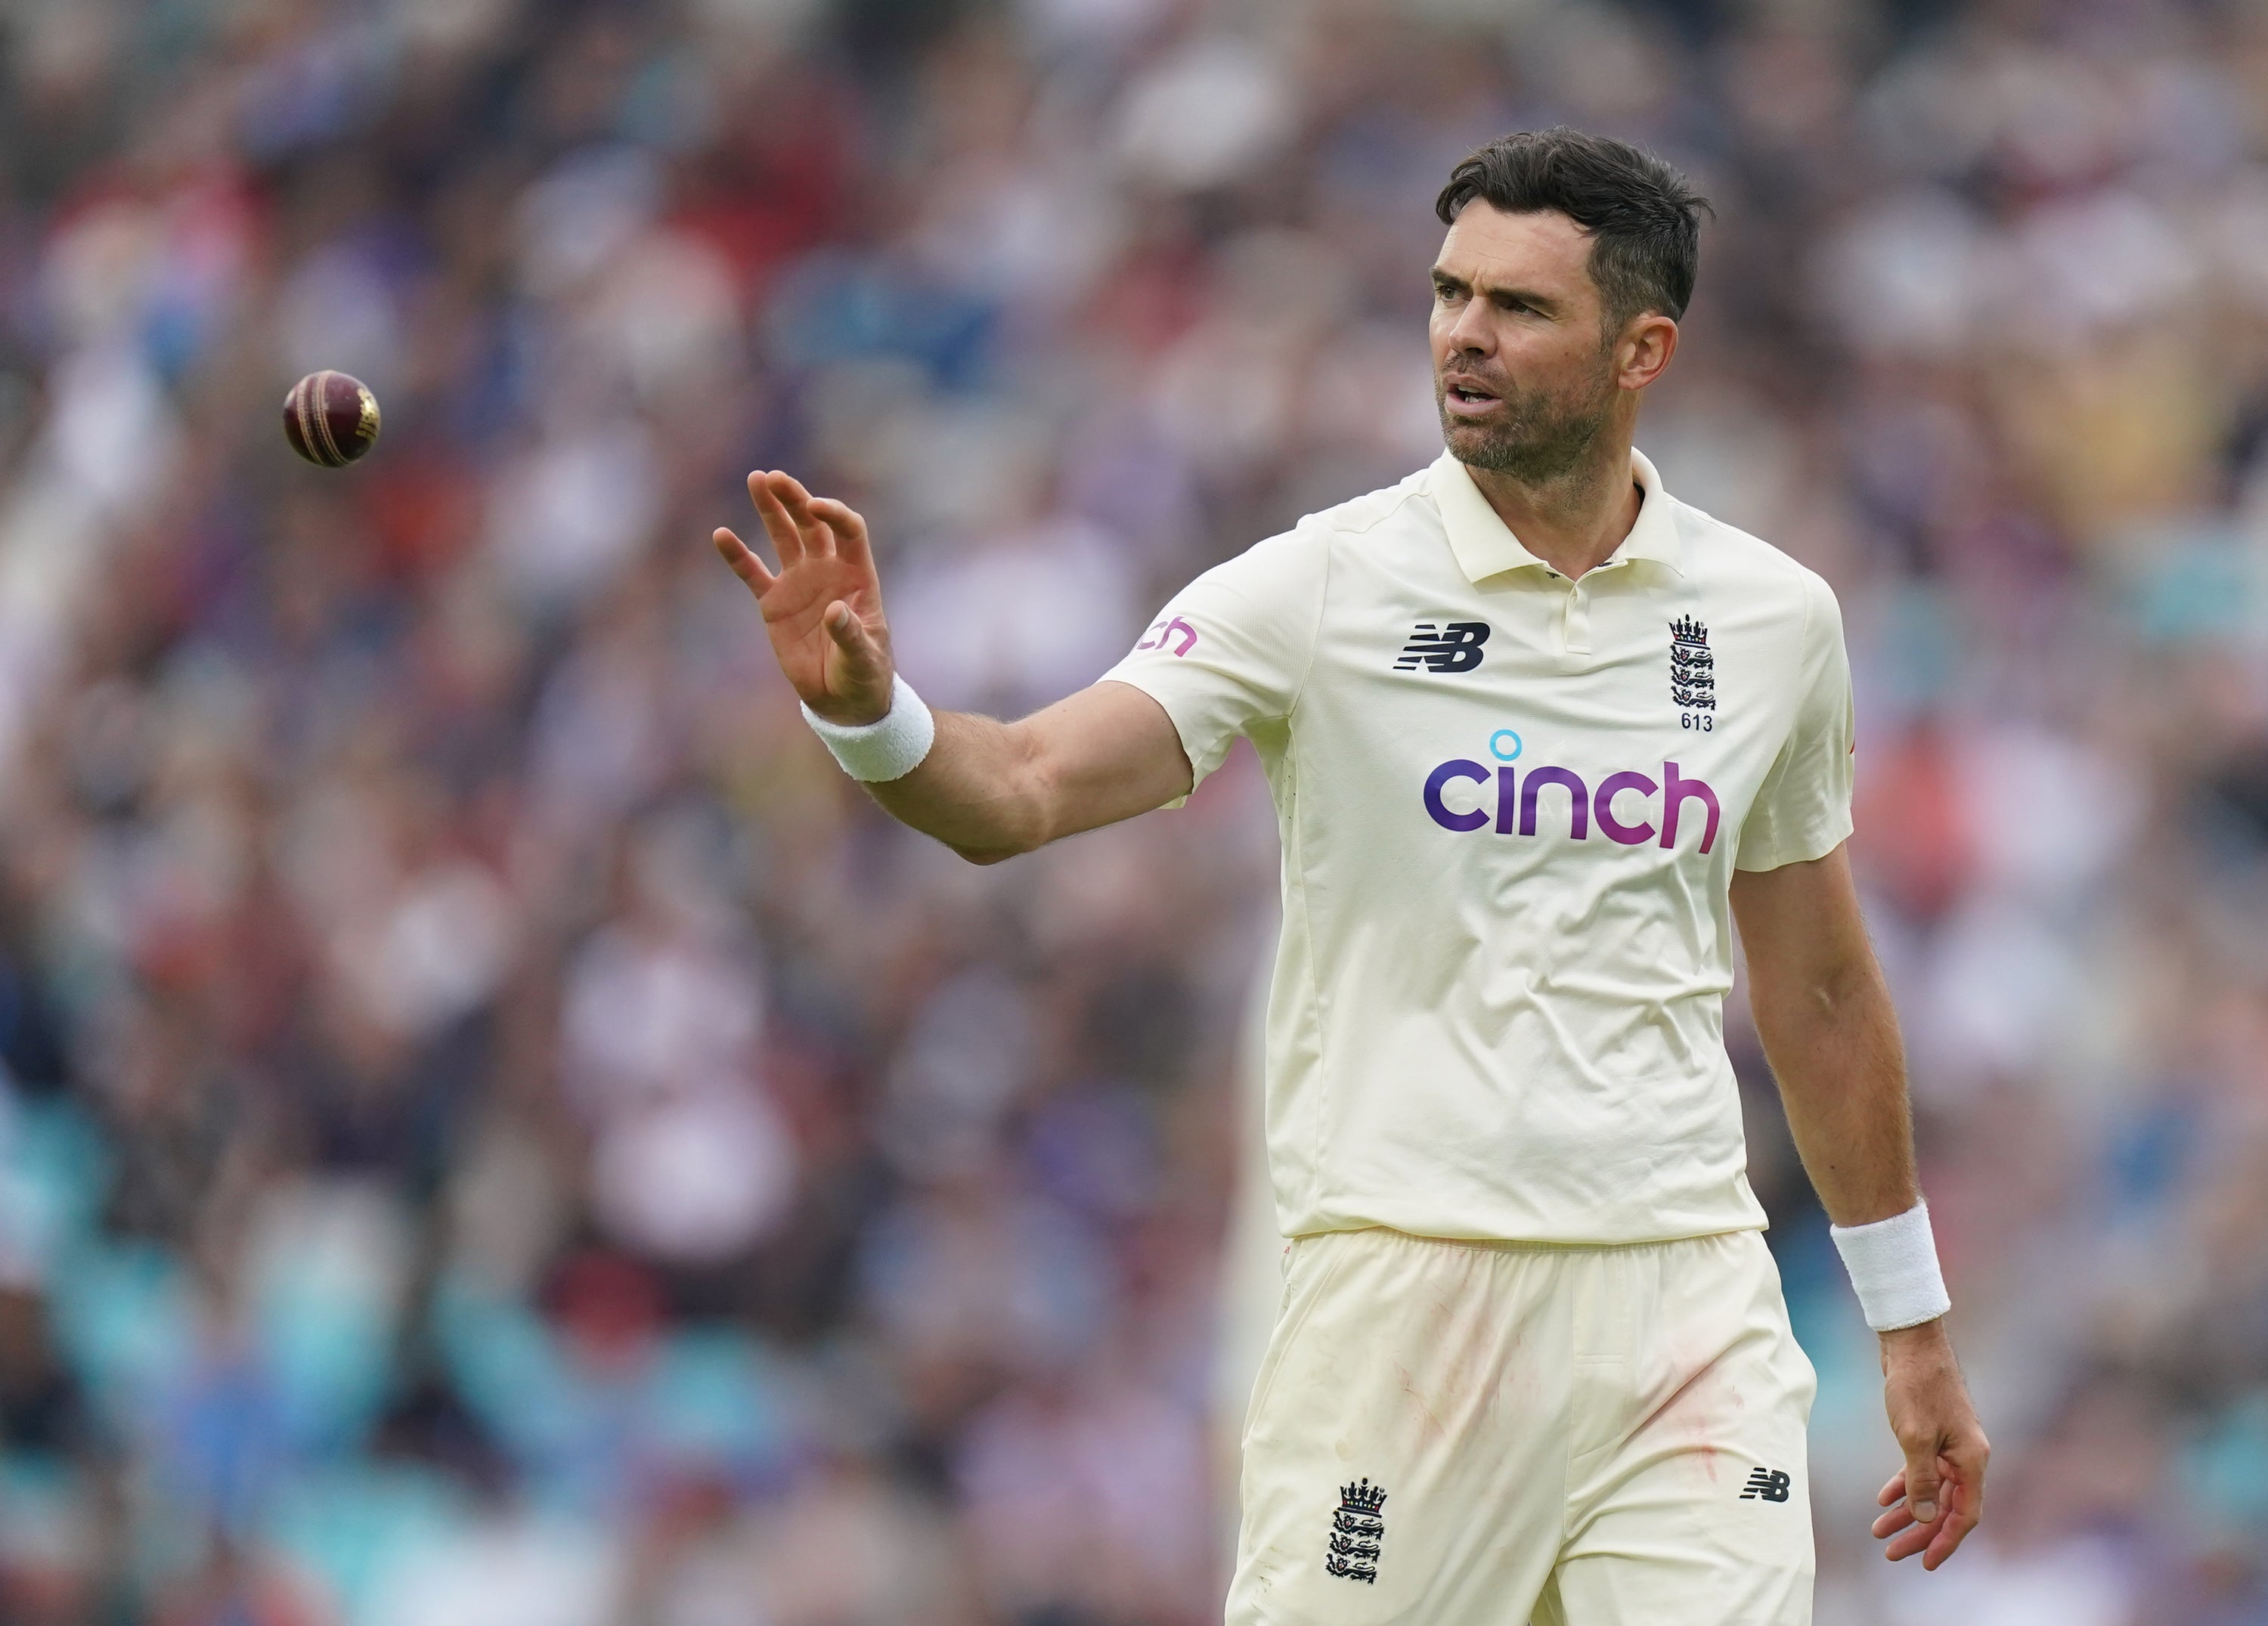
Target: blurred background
[[496, 1130]]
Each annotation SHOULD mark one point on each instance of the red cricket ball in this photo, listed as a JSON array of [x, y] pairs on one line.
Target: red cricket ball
[[330, 418]]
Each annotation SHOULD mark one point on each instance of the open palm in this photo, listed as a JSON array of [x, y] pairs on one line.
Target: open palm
[[822, 607]]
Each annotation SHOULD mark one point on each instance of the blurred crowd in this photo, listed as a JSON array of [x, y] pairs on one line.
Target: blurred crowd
[[496, 1131]]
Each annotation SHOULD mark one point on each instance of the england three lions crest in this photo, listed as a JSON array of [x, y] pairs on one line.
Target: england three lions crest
[[1692, 673], [1358, 1533]]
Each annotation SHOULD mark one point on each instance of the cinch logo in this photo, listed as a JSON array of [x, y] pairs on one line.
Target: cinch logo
[[1176, 631], [1519, 799]]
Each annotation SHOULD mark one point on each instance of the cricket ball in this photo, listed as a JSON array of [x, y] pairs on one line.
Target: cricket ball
[[330, 418]]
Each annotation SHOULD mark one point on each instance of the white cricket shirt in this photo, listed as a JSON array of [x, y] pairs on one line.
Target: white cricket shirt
[[1510, 806]]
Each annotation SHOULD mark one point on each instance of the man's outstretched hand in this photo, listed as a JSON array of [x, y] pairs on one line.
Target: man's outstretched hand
[[1937, 1499], [822, 607]]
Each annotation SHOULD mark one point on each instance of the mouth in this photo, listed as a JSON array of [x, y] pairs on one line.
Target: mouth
[[1468, 400]]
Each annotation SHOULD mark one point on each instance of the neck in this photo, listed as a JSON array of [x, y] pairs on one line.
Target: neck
[[1573, 522]]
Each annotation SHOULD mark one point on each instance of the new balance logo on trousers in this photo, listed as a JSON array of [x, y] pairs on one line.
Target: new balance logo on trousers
[[1768, 1484]]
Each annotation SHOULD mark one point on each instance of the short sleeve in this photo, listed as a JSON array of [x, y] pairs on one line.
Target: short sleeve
[[1232, 648], [1803, 810]]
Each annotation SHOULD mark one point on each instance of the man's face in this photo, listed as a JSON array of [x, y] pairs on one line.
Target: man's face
[[1523, 370]]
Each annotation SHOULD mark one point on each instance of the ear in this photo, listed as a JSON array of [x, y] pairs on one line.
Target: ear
[[1647, 342]]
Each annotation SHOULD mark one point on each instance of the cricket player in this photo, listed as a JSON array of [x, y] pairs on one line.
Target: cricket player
[[1538, 734]]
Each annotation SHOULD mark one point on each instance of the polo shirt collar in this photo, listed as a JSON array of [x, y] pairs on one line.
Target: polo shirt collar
[[1485, 547]]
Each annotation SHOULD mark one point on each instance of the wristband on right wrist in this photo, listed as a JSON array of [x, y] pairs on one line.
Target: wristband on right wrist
[[1893, 1267], [891, 746]]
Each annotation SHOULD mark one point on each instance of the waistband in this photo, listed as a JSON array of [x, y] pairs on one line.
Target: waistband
[[1514, 1245]]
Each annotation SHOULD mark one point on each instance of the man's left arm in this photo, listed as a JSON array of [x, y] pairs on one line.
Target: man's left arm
[[1824, 1012]]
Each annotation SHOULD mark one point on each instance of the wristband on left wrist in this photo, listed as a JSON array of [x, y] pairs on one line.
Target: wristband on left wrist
[[1893, 1268]]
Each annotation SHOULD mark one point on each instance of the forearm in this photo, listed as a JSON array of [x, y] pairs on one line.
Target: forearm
[[992, 790], [1832, 1040], [979, 790], [1824, 1012]]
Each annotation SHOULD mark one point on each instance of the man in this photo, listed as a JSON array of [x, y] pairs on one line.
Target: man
[[1537, 733]]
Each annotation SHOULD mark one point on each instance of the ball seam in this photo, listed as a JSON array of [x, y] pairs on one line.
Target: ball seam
[[307, 421], [336, 459]]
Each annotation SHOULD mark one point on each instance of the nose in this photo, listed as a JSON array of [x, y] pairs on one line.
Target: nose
[[1467, 332]]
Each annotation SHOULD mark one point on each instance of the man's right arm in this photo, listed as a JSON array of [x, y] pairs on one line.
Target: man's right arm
[[990, 790], [986, 789]]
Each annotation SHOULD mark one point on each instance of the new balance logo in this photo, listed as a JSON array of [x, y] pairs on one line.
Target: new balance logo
[[1766, 1485], [1454, 648], [1358, 1533]]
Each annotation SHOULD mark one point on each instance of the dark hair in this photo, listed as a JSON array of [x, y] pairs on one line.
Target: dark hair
[[1644, 218]]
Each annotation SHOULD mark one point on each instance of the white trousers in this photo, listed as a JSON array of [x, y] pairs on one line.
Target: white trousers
[[1490, 1434]]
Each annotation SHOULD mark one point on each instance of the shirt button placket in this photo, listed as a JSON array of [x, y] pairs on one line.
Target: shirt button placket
[[1575, 625]]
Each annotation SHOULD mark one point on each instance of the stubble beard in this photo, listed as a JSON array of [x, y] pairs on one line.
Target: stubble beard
[[1540, 440]]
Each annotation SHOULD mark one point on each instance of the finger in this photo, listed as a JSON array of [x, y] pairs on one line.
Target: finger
[[851, 636], [1897, 1524], [1952, 1529], [1922, 1482], [1968, 1462], [848, 528], [1950, 1535], [818, 539], [1909, 1542], [743, 560], [1964, 1470], [779, 524]]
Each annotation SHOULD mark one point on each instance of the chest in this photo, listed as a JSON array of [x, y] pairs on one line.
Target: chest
[[1634, 669]]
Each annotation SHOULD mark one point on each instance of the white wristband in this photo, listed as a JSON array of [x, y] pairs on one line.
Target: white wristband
[[1893, 1265], [890, 747]]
